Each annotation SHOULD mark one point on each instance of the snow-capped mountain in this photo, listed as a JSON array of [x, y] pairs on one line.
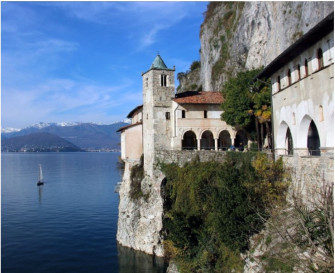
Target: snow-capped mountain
[[9, 130], [87, 136]]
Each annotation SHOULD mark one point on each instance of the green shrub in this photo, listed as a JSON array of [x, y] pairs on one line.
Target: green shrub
[[195, 65], [211, 209], [136, 177]]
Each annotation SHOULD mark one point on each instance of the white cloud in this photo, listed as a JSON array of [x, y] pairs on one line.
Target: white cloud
[[65, 99]]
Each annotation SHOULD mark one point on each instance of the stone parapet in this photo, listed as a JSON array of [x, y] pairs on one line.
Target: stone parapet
[[184, 156]]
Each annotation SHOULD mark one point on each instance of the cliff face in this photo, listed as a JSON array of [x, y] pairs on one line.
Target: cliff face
[[234, 36], [189, 81], [243, 35], [140, 218]]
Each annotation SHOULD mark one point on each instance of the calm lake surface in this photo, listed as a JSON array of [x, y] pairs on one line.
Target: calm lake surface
[[68, 224]]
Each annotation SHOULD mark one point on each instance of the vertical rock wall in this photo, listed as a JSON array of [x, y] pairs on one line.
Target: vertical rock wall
[[140, 220], [238, 36]]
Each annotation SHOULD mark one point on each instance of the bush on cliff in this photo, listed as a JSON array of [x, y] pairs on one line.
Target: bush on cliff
[[136, 177], [211, 209]]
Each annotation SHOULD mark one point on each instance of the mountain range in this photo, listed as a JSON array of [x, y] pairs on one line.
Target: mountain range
[[83, 136]]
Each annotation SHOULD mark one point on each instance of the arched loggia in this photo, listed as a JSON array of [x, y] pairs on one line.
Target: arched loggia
[[189, 141], [207, 141], [224, 140]]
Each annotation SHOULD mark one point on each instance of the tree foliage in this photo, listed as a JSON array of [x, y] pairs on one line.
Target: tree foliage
[[247, 104], [211, 209], [238, 99]]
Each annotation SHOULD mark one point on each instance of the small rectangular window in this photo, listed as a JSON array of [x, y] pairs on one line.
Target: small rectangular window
[[167, 115], [183, 114], [205, 114], [289, 77]]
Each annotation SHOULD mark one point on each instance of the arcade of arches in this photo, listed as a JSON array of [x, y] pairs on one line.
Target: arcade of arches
[[313, 141], [207, 141]]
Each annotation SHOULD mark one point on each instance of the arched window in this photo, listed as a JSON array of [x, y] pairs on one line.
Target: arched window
[[207, 141], [289, 77], [313, 140], [163, 80], [298, 68], [278, 83], [320, 58], [224, 140], [289, 142], [306, 68], [189, 141]]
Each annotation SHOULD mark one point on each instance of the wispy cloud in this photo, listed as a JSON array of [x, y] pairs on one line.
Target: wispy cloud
[[81, 61], [65, 98]]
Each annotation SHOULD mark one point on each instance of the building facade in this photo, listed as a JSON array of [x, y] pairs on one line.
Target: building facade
[[302, 80], [169, 121]]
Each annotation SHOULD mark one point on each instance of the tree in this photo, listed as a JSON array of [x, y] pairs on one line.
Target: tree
[[247, 104]]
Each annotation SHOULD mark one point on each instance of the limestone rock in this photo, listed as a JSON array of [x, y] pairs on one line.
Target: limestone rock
[[189, 81], [140, 220], [246, 35]]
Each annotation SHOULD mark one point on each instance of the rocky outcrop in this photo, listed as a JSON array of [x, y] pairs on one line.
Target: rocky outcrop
[[189, 81], [243, 35], [140, 218]]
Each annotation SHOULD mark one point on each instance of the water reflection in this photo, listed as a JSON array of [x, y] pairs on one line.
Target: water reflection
[[40, 192], [131, 261]]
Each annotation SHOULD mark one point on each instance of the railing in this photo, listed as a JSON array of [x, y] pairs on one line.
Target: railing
[[314, 152]]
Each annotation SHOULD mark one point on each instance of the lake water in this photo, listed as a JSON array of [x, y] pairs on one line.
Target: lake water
[[68, 224]]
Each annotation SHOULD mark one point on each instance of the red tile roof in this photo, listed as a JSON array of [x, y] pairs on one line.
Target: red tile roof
[[202, 97], [128, 126]]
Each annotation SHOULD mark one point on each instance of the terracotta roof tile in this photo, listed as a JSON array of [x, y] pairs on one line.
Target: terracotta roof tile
[[202, 97]]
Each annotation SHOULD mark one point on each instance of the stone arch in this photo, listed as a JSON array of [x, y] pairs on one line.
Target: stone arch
[[207, 140], [308, 136], [189, 141], [281, 136], [224, 140], [303, 131], [241, 140]]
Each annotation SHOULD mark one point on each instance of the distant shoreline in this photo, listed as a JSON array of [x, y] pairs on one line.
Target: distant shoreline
[[55, 152]]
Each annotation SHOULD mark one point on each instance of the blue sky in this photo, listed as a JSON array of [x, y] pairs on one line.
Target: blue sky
[[82, 61]]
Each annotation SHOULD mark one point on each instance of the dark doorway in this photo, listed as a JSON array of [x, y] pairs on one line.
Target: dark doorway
[[313, 140], [289, 142]]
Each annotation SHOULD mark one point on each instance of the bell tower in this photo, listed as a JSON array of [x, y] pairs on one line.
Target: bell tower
[[158, 92]]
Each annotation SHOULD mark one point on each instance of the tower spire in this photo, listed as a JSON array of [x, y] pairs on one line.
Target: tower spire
[[158, 63]]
